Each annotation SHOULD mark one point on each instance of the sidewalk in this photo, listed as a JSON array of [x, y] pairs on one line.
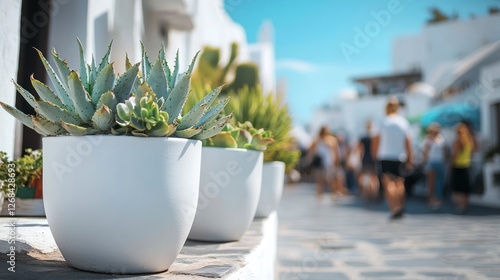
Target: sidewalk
[[346, 240]]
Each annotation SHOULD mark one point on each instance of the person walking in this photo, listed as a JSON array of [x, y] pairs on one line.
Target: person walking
[[367, 178], [460, 172], [392, 147], [434, 153], [325, 149]]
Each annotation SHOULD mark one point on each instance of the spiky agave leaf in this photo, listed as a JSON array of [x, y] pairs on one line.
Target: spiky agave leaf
[[46, 93], [80, 97], [22, 117], [105, 82]]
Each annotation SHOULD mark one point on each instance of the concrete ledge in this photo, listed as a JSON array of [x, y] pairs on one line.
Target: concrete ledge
[[253, 257]]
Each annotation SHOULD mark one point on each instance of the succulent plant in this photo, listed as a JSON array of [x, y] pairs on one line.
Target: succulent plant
[[79, 103], [27, 169], [243, 135], [158, 104], [97, 101], [250, 104]]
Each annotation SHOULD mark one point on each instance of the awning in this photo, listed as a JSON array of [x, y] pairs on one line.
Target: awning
[[448, 115]]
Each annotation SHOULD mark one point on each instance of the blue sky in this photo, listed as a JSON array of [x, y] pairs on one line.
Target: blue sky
[[309, 36]]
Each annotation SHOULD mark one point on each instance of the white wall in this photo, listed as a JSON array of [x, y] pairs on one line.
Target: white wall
[[66, 24], [262, 54], [490, 83], [408, 53], [10, 13], [213, 27], [447, 41]]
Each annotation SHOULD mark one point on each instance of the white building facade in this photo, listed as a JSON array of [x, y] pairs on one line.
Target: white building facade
[[184, 25], [9, 50]]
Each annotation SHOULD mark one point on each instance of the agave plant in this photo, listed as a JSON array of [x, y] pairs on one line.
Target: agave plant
[[79, 103], [250, 104], [157, 105], [243, 135], [97, 101]]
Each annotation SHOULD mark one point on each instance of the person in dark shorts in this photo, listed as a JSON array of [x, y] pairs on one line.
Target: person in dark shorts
[[461, 162], [392, 147], [367, 178]]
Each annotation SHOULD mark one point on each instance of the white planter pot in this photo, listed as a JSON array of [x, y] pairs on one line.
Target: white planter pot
[[230, 185], [120, 204], [273, 178]]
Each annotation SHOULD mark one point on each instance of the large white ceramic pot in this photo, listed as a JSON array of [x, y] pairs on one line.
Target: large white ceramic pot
[[230, 185], [120, 204], [273, 178]]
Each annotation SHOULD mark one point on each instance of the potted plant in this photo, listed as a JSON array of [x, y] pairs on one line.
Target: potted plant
[[280, 157], [27, 172], [4, 178], [230, 182], [121, 164]]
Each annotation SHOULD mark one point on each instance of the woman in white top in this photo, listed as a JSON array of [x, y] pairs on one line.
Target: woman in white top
[[435, 151], [325, 147], [392, 147]]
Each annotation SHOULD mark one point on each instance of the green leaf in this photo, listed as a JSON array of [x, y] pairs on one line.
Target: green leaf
[[142, 91], [109, 100], [136, 123], [166, 69], [210, 98], [20, 116], [125, 82], [213, 113], [161, 129], [173, 79], [105, 58], [193, 116], [76, 130], [123, 112], [105, 81], [83, 65], [80, 97], [157, 80], [103, 119], [177, 98], [191, 66], [62, 67], [47, 127], [224, 139], [59, 89], [128, 65], [212, 131], [46, 93], [26, 95], [146, 64], [55, 114], [188, 132]]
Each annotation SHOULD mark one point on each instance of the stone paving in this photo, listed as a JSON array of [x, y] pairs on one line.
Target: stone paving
[[344, 239]]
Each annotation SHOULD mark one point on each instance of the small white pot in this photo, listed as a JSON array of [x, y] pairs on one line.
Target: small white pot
[[230, 185], [273, 178], [120, 204]]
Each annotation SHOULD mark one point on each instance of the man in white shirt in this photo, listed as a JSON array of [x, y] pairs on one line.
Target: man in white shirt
[[392, 147]]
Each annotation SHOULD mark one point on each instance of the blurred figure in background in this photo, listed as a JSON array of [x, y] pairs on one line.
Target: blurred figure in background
[[392, 147], [341, 172], [461, 162], [367, 179], [324, 157], [435, 152]]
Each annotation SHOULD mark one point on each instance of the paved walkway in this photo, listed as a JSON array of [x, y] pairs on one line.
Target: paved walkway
[[346, 240]]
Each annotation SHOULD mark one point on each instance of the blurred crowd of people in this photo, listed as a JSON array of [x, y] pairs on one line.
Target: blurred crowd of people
[[386, 161]]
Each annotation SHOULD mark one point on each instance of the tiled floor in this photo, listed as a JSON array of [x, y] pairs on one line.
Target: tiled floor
[[344, 239]]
